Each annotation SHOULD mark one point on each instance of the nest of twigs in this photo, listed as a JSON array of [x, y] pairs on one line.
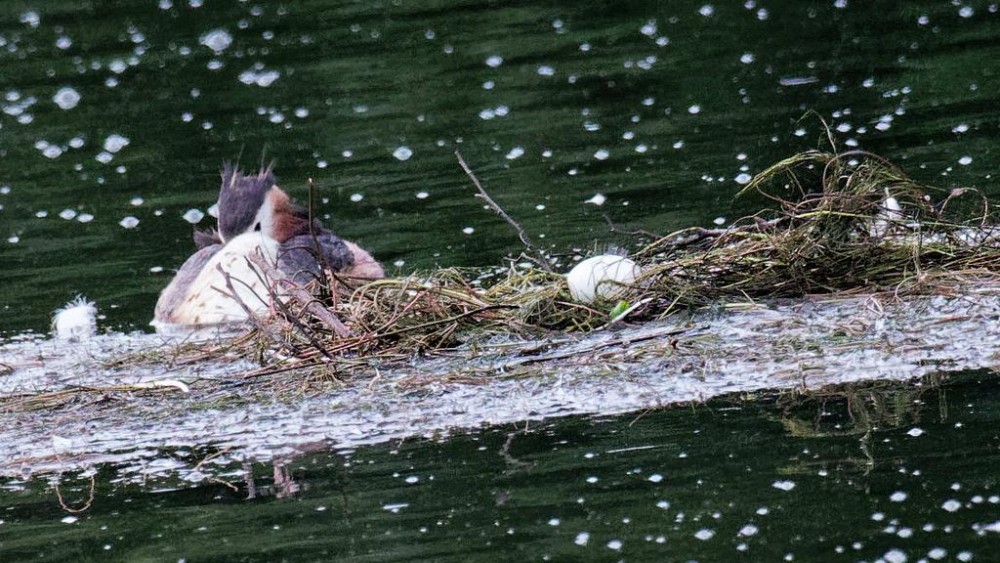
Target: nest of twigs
[[421, 314], [849, 222], [833, 223]]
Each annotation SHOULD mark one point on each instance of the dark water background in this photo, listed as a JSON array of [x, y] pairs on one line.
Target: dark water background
[[889, 472], [658, 107], [663, 108]]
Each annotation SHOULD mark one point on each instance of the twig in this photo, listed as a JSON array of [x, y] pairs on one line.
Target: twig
[[86, 505], [320, 255], [636, 233], [303, 296], [826, 127], [212, 456], [214, 479], [682, 238], [287, 311], [505, 449], [251, 316], [451, 319], [539, 256], [669, 332]]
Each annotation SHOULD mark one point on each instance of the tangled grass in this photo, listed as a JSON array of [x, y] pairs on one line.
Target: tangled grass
[[834, 223], [831, 223]]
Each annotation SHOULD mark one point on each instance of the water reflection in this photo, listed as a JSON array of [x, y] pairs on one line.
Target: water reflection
[[114, 122], [852, 473]]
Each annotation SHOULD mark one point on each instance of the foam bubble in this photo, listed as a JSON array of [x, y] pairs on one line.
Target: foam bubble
[[66, 98], [402, 153], [217, 40]]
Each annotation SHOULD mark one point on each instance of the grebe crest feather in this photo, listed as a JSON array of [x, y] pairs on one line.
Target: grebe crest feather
[[246, 202]]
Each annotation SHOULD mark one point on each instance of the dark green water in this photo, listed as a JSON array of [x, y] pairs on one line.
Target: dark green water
[[887, 471], [663, 108], [658, 107]]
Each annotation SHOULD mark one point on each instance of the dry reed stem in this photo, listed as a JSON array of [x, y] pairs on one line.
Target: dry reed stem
[[27, 401], [539, 255]]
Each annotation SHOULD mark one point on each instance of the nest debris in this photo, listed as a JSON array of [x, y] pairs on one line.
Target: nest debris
[[838, 224], [843, 223]]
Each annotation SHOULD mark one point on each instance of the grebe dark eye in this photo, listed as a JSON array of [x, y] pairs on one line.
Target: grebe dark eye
[[256, 227]]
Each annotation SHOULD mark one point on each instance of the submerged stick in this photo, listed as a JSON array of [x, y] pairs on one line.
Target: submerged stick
[[539, 256], [86, 504]]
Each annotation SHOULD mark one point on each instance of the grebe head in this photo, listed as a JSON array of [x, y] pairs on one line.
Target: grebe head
[[250, 203]]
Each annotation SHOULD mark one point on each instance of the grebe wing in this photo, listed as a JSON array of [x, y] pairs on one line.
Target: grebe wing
[[174, 294], [365, 266], [303, 258]]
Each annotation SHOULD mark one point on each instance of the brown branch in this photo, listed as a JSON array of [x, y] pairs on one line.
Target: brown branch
[[251, 316], [293, 318], [539, 256], [303, 296], [636, 233], [320, 255]]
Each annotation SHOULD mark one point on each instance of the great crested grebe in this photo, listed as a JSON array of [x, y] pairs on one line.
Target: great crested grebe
[[255, 215]]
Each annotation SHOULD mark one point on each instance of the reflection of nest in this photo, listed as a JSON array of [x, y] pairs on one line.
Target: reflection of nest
[[849, 222], [848, 410]]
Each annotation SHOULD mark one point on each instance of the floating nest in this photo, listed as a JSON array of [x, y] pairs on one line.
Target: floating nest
[[848, 222], [829, 223]]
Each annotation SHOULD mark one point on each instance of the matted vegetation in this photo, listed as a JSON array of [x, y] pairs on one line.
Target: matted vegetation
[[831, 223], [844, 224]]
